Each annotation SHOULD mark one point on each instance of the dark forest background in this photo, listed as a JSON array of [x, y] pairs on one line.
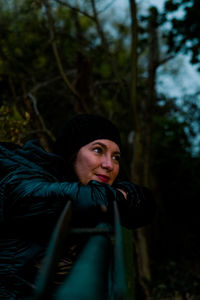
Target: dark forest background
[[59, 58]]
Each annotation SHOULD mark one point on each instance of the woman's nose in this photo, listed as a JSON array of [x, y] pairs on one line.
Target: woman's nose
[[107, 163]]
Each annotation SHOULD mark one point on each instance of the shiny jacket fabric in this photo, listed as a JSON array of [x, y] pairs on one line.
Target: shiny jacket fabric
[[33, 193]]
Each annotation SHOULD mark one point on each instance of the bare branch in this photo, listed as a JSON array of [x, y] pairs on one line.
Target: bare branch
[[43, 84], [54, 46], [48, 82], [99, 30], [134, 64], [39, 117], [105, 44], [57, 56], [164, 60], [76, 9], [107, 6]]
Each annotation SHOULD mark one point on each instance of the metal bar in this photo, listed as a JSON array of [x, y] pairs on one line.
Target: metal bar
[[119, 269], [46, 275], [91, 231], [89, 276]]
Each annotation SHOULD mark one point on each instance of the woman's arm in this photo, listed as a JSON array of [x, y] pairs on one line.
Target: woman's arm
[[32, 199]]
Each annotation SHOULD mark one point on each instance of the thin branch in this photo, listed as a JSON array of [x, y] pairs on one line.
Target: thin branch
[[134, 64], [164, 60], [48, 82], [197, 93], [105, 44], [75, 9], [39, 117], [57, 56], [99, 30], [55, 49], [107, 6], [43, 84]]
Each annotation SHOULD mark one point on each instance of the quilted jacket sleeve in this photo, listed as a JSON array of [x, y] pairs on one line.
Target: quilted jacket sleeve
[[32, 198]]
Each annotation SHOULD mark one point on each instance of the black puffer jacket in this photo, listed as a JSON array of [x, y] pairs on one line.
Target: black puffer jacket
[[33, 193]]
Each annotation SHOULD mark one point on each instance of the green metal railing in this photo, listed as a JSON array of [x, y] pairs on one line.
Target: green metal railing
[[99, 271]]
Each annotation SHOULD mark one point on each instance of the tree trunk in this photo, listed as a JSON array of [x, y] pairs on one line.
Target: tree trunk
[[137, 161], [143, 124]]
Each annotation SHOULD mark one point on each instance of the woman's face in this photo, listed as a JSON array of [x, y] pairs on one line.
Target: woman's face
[[98, 160]]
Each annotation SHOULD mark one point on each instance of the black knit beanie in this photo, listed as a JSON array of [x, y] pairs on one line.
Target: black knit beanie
[[81, 130]]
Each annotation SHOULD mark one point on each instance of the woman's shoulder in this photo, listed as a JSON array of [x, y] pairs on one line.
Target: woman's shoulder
[[30, 155]]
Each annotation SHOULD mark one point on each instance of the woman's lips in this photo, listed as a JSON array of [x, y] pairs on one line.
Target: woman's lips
[[103, 178]]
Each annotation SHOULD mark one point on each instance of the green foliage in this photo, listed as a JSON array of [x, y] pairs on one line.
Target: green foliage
[[13, 128], [184, 34], [27, 62]]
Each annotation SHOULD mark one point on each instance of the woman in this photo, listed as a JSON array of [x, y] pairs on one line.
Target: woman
[[35, 187]]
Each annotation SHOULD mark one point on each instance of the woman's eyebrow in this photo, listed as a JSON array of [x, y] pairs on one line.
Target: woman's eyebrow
[[104, 146], [117, 152], [99, 143]]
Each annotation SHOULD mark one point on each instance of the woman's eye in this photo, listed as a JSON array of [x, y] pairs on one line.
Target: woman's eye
[[97, 150], [117, 158]]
